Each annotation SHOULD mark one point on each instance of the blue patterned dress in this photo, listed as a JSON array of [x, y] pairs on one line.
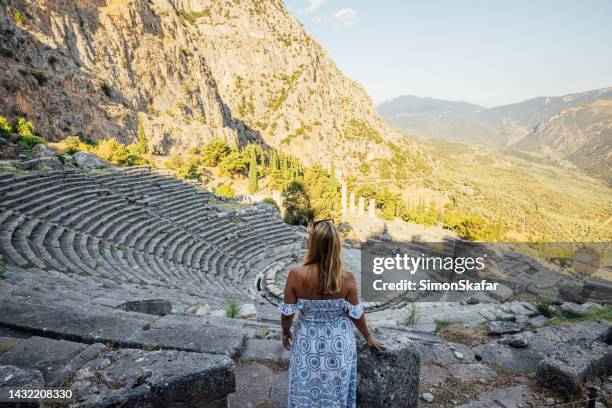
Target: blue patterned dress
[[323, 366]]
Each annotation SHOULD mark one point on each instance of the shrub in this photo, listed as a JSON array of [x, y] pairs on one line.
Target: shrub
[[19, 18], [411, 317], [233, 163], [225, 190], [188, 170], [27, 142], [5, 127], [174, 162], [297, 204], [233, 307], [134, 156], [544, 306], [73, 144], [214, 152], [23, 127], [112, 151]]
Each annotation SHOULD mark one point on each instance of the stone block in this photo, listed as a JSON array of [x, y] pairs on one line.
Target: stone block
[[388, 378], [159, 307], [163, 378], [12, 377]]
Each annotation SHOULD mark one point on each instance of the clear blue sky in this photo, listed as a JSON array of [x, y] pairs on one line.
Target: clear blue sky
[[489, 52]]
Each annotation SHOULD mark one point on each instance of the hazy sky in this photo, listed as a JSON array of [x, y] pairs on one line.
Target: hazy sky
[[489, 52]]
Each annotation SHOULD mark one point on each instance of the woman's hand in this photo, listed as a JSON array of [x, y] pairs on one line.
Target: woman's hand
[[287, 341], [374, 342]]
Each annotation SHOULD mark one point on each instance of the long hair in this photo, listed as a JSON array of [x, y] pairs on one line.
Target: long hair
[[325, 251]]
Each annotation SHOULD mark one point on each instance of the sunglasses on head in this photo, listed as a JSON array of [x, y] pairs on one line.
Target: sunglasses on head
[[314, 223]]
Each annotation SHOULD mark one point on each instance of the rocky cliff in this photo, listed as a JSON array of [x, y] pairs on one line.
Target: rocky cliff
[[189, 71]]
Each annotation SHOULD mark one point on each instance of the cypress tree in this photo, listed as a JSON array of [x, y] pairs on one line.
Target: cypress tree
[[253, 182], [143, 143]]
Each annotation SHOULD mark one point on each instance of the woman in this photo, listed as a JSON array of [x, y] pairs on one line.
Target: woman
[[323, 366]]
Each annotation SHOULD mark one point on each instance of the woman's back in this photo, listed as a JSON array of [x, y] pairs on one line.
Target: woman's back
[[307, 284], [323, 366]]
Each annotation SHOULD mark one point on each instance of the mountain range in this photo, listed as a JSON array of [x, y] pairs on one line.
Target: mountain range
[[573, 130]]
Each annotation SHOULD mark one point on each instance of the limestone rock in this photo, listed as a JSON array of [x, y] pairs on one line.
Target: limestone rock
[[42, 150], [427, 397], [41, 164], [17, 378], [503, 327], [158, 307], [247, 311], [86, 160], [153, 378], [539, 321], [390, 377], [575, 309], [516, 340]]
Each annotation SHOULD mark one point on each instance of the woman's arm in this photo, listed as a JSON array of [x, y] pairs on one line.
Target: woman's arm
[[289, 298], [361, 323]]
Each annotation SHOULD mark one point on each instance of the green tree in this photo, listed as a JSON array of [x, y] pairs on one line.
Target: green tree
[[253, 176], [143, 143], [5, 127], [113, 151], [332, 175], [23, 127], [297, 204], [214, 152], [234, 163], [225, 190]]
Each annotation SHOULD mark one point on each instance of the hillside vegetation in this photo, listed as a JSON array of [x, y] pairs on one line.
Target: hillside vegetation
[[535, 201]]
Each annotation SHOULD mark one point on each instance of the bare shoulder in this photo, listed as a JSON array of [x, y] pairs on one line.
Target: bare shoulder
[[348, 276], [296, 272]]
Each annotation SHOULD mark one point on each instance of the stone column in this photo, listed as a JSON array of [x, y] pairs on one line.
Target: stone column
[[352, 203], [361, 206], [372, 208], [343, 200]]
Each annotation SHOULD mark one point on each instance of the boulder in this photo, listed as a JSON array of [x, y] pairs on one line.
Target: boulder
[[503, 327], [538, 321], [576, 309], [502, 293], [159, 307], [247, 311], [88, 160], [163, 378], [41, 164], [568, 370], [42, 150], [8, 151], [12, 377], [515, 340], [388, 378]]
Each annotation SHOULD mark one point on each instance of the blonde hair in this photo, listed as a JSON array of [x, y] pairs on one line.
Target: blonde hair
[[325, 251]]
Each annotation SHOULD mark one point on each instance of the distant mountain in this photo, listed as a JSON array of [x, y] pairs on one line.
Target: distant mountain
[[438, 119], [573, 130]]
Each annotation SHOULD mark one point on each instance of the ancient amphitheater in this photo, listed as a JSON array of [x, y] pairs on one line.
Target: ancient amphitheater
[[115, 283]]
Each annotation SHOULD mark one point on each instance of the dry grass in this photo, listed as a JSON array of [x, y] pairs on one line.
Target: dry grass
[[458, 333]]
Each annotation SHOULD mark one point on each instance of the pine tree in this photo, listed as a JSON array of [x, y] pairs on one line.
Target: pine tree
[[143, 143], [332, 175], [253, 181]]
